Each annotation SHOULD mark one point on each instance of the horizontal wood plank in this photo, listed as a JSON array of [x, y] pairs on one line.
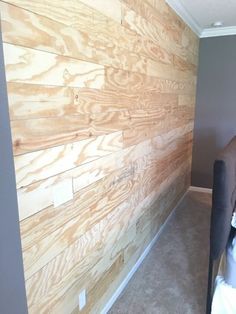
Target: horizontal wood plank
[[124, 81], [28, 101], [45, 163], [38, 134], [28, 65]]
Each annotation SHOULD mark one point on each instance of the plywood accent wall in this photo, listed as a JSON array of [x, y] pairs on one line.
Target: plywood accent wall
[[101, 99]]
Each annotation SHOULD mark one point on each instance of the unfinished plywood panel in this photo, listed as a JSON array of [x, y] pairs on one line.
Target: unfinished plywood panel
[[101, 99]]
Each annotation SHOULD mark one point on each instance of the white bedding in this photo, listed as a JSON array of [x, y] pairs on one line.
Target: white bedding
[[224, 298]]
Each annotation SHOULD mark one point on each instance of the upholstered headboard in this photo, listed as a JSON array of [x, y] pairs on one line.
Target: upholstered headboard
[[223, 198], [223, 206]]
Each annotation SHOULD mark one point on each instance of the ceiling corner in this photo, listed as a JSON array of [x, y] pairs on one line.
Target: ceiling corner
[[185, 15]]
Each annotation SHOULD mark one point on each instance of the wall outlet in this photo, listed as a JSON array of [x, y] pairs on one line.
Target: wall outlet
[[82, 299]]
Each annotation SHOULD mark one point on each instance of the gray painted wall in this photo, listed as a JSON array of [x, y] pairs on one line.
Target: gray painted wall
[[12, 286], [215, 119]]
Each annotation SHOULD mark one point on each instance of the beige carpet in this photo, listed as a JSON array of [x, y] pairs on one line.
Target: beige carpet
[[173, 277]]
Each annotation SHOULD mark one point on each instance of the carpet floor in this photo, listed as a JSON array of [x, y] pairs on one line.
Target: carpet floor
[[173, 277]]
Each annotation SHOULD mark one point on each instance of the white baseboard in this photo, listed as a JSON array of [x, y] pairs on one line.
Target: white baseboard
[[200, 189], [138, 263]]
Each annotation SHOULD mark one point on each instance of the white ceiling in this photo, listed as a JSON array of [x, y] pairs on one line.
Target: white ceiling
[[200, 14]]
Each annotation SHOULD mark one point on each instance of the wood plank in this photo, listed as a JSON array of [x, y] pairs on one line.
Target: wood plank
[[28, 101], [167, 71], [37, 134], [111, 9], [117, 79], [183, 65], [147, 118], [33, 66], [55, 37], [152, 50], [150, 126], [45, 163], [186, 100], [190, 40], [154, 99]]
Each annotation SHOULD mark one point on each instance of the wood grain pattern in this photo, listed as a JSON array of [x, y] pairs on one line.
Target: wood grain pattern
[[31, 135], [28, 101], [42, 249], [69, 262], [56, 37], [162, 145], [166, 71], [142, 8], [111, 9], [124, 81], [101, 99], [72, 13], [158, 34], [94, 26], [82, 176], [46, 163], [33, 66], [158, 12]]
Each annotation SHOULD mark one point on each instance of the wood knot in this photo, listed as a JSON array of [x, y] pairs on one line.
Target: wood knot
[[17, 142]]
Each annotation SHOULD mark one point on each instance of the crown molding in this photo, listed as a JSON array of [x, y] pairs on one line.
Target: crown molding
[[177, 6], [219, 31]]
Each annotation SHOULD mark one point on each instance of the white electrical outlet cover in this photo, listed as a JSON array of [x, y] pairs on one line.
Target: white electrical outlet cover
[[82, 299]]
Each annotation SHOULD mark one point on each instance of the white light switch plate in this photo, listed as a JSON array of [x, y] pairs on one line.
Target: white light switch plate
[[62, 192]]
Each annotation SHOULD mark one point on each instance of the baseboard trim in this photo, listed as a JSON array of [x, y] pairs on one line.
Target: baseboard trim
[[200, 189], [139, 261]]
